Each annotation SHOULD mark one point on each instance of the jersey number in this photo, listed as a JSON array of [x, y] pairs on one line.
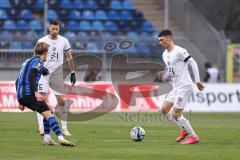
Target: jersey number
[[40, 87], [170, 70], [54, 55]]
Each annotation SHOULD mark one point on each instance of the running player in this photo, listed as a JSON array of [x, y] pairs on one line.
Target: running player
[[177, 61]]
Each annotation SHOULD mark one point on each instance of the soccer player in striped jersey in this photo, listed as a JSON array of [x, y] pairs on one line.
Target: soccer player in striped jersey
[[177, 61], [28, 95]]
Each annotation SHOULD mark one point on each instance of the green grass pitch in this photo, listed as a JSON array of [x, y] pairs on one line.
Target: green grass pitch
[[107, 138]]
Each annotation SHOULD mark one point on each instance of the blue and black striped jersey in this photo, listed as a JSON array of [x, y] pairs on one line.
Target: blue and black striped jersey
[[29, 76]]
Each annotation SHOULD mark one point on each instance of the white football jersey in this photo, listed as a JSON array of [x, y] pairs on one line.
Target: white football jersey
[[176, 65], [56, 50]]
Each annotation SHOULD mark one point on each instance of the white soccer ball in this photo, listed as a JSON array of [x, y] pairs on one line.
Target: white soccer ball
[[137, 133]]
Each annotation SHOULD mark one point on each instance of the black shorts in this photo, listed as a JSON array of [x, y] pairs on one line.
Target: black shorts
[[32, 103]]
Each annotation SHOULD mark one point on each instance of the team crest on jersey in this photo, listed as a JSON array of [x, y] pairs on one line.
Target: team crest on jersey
[[179, 101], [38, 66], [54, 48]]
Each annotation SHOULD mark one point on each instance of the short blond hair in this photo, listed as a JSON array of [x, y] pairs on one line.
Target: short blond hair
[[41, 48]]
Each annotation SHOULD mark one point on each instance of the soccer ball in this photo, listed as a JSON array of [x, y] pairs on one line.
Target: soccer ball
[[137, 133]]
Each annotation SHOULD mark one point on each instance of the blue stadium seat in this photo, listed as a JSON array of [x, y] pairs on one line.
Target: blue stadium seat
[[115, 4], [22, 25], [109, 36], [63, 13], [113, 15], [110, 26], [26, 14], [143, 48], [92, 46], [144, 35], [5, 4], [138, 15], [17, 4], [97, 25], [91, 4], [85, 25], [27, 45], [39, 4], [126, 15], [9, 25], [133, 36], [89, 15], [72, 25], [15, 45], [28, 4], [147, 26], [135, 25], [52, 14], [70, 35], [78, 4], [75, 15], [3, 14], [66, 4], [30, 35], [6, 36], [35, 25], [128, 5], [82, 36], [101, 15]]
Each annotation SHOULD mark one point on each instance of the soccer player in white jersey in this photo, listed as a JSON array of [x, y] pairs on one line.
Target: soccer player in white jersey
[[58, 46], [177, 61]]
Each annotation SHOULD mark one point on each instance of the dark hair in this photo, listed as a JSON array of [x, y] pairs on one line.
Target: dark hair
[[165, 32], [41, 48], [54, 22], [208, 65]]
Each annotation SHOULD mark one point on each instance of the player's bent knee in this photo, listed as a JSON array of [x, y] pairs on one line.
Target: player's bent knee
[[47, 114]]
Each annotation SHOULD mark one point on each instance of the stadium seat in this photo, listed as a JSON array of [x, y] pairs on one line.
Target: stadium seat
[[6, 36], [82, 36], [28, 4], [91, 4], [110, 26], [97, 25], [13, 13], [26, 14], [89, 15], [74, 15], [35, 25], [22, 25], [78, 4], [85, 25], [30, 35], [3, 14], [9, 25], [101, 15], [5, 4], [126, 15], [133, 36], [66, 4], [72, 25], [63, 13], [142, 48], [135, 25], [17, 4], [15, 45], [115, 4], [113, 15], [92, 47], [39, 4], [52, 14], [70, 35], [128, 5], [27, 45], [147, 26], [137, 15]]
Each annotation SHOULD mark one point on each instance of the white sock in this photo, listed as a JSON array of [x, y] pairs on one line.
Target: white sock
[[186, 125], [171, 118], [40, 122], [63, 116], [47, 137]]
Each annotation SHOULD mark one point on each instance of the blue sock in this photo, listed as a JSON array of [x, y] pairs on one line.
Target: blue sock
[[46, 126], [54, 126]]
